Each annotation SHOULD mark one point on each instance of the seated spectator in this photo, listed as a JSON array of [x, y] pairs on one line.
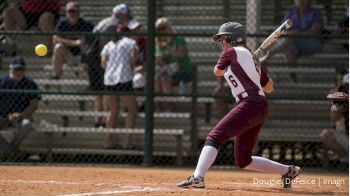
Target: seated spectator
[[118, 57], [307, 21], [67, 47], [43, 13], [172, 59], [16, 110], [337, 139]]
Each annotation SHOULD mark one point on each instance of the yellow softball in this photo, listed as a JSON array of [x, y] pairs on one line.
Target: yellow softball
[[40, 50]]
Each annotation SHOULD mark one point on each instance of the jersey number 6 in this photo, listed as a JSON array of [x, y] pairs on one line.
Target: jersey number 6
[[233, 81]]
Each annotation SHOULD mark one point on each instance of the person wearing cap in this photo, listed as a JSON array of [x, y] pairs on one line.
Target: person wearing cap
[[118, 57], [16, 109], [67, 48]]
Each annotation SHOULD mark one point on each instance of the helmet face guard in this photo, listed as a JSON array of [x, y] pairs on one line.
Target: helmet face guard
[[235, 31]]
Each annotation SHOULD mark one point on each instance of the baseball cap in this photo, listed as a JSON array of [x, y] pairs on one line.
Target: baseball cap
[[133, 24], [17, 62], [72, 6], [120, 9]]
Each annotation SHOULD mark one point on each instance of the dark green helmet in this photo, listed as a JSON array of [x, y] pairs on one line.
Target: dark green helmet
[[237, 32]]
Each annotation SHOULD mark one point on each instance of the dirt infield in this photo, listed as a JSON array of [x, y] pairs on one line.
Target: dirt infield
[[74, 181]]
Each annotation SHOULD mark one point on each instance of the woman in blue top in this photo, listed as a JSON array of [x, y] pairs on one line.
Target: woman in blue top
[[307, 21]]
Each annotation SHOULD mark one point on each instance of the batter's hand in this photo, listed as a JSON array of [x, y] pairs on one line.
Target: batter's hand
[[262, 54]]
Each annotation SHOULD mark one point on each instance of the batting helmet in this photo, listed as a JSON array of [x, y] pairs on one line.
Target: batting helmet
[[235, 31]]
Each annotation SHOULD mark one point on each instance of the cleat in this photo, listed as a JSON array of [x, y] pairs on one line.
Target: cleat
[[293, 172], [192, 182]]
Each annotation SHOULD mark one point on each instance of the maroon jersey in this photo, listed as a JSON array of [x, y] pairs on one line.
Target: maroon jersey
[[240, 71]]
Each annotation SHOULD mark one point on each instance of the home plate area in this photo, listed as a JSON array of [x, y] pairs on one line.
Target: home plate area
[[98, 180]]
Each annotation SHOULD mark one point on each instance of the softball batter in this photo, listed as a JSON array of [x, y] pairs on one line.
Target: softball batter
[[248, 85]]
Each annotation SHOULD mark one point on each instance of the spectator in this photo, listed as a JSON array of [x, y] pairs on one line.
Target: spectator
[[91, 57], [16, 110], [43, 13], [67, 47], [307, 21], [173, 62], [337, 139], [117, 58]]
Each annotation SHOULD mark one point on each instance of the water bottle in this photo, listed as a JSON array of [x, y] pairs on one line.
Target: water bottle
[[181, 88]]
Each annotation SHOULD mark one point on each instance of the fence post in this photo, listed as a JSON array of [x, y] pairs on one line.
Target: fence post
[[149, 105]]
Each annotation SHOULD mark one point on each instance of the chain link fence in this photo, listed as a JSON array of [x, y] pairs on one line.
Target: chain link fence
[[90, 99]]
